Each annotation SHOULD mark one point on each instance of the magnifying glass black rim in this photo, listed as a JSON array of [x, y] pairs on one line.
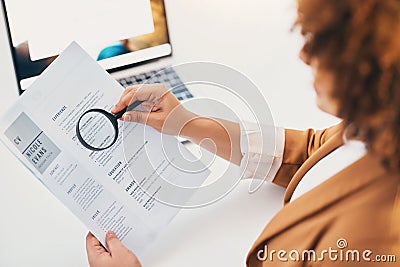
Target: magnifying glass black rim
[[110, 117]]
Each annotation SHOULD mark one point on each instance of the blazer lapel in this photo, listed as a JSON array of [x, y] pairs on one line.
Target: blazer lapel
[[333, 143], [335, 188]]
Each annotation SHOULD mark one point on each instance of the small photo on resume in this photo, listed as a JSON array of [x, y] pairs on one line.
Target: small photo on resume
[[32, 142]]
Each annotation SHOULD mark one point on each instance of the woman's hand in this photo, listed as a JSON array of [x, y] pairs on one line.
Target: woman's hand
[[118, 256], [163, 111], [166, 114]]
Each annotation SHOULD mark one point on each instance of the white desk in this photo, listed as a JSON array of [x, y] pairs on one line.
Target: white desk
[[251, 36]]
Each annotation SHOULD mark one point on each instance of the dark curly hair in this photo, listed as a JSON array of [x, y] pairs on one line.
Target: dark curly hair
[[358, 41]]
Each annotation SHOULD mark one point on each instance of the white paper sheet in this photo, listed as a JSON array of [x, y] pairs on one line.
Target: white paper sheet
[[101, 188]]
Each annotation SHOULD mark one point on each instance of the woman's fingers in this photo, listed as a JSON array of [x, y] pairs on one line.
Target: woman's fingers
[[93, 246], [149, 93], [136, 116], [158, 104], [117, 249], [125, 98]]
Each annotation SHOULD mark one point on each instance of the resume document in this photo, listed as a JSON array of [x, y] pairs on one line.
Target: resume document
[[134, 188]]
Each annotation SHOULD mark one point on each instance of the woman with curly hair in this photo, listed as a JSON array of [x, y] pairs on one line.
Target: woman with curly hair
[[342, 182]]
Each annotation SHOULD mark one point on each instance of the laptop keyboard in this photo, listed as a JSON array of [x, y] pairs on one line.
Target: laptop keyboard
[[166, 76]]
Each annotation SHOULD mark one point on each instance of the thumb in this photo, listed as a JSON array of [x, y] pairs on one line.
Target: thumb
[[136, 116], [114, 244]]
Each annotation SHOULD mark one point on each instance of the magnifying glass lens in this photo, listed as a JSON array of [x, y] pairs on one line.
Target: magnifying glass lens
[[96, 130]]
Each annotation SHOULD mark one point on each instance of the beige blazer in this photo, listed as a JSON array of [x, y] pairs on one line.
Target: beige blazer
[[355, 206]]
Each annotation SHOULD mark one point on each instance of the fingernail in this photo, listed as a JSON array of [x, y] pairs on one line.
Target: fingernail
[[127, 117], [111, 234]]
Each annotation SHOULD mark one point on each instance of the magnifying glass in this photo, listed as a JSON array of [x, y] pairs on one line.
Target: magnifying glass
[[97, 129]]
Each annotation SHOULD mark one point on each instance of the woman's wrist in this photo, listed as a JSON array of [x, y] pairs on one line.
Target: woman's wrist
[[193, 127]]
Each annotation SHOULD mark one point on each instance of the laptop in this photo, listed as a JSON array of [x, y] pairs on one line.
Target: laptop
[[131, 60]]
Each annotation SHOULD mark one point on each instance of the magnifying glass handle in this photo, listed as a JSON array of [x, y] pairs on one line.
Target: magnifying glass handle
[[130, 107]]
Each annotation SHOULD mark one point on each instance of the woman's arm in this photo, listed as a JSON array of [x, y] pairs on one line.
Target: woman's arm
[[219, 136], [166, 114]]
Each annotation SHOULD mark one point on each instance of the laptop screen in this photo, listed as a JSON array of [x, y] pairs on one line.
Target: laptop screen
[[144, 33]]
